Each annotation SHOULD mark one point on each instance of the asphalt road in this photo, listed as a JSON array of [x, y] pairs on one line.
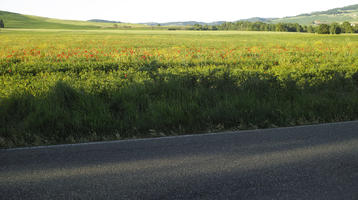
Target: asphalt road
[[311, 162]]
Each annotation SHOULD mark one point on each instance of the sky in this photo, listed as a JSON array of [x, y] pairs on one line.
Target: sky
[[135, 11]]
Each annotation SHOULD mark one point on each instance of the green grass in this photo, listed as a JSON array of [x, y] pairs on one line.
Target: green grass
[[67, 86]]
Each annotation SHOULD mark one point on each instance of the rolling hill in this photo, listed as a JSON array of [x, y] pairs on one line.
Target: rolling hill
[[184, 23], [347, 13], [258, 19], [15, 20], [103, 21]]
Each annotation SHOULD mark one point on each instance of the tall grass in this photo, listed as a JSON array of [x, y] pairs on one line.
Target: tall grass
[[172, 105]]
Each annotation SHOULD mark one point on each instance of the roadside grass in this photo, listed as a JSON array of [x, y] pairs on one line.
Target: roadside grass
[[172, 105]]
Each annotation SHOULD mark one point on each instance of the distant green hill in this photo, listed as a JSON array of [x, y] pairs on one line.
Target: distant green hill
[[184, 23], [336, 11], [348, 13], [103, 21], [15, 20], [258, 19]]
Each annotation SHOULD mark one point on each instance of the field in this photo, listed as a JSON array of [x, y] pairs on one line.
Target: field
[[64, 86]]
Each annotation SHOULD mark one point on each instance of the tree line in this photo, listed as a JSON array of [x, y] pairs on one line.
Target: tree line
[[333, 28]]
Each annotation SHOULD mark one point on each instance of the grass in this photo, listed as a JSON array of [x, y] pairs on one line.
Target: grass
[[61, 86]]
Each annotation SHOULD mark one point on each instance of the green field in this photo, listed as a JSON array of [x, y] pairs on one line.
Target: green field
[[67, 86]]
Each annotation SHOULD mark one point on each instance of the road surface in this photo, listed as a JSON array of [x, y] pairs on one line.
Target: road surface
[[307, 162]]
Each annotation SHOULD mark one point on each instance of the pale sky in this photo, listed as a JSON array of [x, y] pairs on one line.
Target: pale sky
[[135, 11]]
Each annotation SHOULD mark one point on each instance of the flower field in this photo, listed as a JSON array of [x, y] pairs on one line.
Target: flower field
[[79, 86]]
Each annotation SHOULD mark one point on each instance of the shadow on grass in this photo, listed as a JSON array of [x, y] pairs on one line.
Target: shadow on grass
[[171, 105]]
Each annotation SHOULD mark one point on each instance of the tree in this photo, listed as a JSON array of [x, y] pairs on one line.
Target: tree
[[323, 29], [347, 27], [198, 27], [280, 27], [298, 27], [2, 25], [214, 28], [335, 29], [304, 28], [310, 29]]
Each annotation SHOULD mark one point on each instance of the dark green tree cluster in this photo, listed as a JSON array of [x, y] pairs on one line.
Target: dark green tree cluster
[[261, 26], [2, 25], [252, 26], [247, 26], [347, 27], [199, 27], [333, 28], [323, 29], [336, 28]]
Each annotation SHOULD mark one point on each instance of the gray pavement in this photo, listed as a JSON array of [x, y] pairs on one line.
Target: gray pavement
[[307, 162]]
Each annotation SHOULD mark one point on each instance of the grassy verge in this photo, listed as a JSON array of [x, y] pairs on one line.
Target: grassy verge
[[173, 104]]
